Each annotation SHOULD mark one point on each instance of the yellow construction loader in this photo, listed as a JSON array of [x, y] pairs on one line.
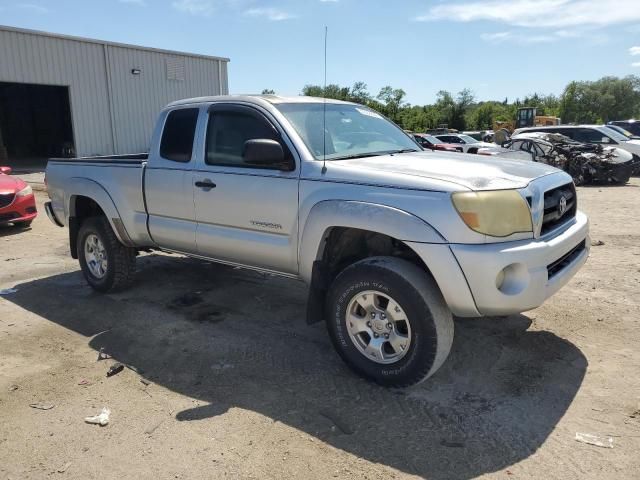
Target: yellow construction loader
[[525, 117]]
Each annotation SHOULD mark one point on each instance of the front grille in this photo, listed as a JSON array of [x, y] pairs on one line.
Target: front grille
[[553, 216], [554, 268], [6, 199], [6, 217]]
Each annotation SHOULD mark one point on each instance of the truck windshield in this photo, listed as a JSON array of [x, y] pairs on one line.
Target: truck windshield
[[350, 131]]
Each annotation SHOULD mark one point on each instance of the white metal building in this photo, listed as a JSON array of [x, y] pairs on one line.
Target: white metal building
[[62, 94]]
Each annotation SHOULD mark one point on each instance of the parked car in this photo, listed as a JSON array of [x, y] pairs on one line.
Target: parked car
[[632, 126], [17, 203], [596, 134], [481, 135], [433, 143], [624, 132], [465, 142], [586, 163], [392, 240]]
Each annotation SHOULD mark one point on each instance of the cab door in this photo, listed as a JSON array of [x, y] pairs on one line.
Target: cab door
[[168, 183], [246, 213]]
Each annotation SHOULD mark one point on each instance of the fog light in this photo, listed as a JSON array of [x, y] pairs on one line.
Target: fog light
[[513, 279]]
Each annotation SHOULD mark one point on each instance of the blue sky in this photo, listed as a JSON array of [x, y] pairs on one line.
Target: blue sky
[[497, 48]]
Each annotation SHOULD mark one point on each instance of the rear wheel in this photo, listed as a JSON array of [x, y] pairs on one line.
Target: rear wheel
[[107, 265], [389, 322]]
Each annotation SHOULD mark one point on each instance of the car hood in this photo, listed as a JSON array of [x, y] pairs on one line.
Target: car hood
[[484, 145], [438, 171], [10, 184], [632, 146]]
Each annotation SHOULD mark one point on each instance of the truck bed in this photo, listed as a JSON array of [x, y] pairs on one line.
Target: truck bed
[[130, 158], [116, 182]]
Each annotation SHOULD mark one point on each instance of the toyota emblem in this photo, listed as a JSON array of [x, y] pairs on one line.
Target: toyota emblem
[[562, 205]]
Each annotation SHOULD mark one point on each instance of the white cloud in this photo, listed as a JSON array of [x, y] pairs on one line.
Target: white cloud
[[527, 37], [636, 64], [539, 13], [501, 37], [634, 51], [497, 37], [272, 14], [140, 3], [568, 33], [32, 7], [195, 7]]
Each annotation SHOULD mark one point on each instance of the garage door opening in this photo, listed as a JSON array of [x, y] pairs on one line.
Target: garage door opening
[[35, 124]]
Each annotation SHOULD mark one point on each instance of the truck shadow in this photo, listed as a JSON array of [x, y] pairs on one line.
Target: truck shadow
[[234, 338]]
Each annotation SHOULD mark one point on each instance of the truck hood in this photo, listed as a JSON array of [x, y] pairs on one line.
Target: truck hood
[[438, 171]]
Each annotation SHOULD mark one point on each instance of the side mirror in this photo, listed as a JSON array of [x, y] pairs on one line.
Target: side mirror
[[6, 170], [605, 140], [264, 152]]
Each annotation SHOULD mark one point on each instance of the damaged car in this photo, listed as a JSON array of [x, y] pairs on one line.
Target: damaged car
[[587, 163]]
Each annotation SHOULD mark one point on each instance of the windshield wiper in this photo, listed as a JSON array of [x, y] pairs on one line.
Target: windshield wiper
[[374, 154], [404, 150], [359, 155]]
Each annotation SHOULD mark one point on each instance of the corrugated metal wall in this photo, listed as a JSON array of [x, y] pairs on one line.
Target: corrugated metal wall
[[113, 111], [136, 99]]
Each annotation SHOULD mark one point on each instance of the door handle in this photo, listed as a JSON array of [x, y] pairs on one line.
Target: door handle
[[205, 184]]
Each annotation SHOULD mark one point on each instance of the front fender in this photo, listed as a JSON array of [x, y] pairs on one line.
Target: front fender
[[85, 187], [377, 218]]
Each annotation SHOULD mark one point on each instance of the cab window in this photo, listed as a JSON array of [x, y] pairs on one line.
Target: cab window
[[178, 134], [227, 132]]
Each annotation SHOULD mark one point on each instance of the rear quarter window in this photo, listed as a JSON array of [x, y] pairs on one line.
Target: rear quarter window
[[178, 134]]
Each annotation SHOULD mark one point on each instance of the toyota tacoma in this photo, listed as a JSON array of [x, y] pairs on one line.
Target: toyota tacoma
[[392, 241]]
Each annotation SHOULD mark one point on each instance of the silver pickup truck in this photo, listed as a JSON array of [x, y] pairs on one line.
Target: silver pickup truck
[[391, 240]]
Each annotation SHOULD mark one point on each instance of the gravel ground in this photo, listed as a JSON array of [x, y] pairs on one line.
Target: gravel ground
[[225, 379]]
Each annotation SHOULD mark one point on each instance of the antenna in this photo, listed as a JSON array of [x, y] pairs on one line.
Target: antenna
[[324, 106]]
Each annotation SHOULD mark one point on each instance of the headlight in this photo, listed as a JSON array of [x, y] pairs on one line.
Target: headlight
[[26, 191], [498, 213]]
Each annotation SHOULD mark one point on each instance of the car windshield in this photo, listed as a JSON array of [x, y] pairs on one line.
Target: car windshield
[[431, 139], [468, 139], [350, 131], [621, 130], [617, 136]]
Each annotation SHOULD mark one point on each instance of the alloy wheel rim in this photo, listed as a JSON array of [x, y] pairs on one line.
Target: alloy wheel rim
[[95, 256], [378, 327]]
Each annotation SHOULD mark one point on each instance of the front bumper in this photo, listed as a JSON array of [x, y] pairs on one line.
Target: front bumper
[[533, 270], [22, 209], [470, 279]]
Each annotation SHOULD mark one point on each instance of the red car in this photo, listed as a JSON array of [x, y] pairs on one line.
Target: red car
[[17, 203], [433, 143]]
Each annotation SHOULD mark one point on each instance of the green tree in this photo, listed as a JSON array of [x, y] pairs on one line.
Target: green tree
[[392, 100], [359, 93], [268, 91]]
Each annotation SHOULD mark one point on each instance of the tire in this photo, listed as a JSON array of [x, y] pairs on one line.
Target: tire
[[429, 323], [120, 260]]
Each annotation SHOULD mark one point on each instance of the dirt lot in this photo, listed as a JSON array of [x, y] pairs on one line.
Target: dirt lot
[[226, 380]]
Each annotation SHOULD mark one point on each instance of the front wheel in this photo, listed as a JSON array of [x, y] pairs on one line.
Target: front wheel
[[107, 265], [389, 321]]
